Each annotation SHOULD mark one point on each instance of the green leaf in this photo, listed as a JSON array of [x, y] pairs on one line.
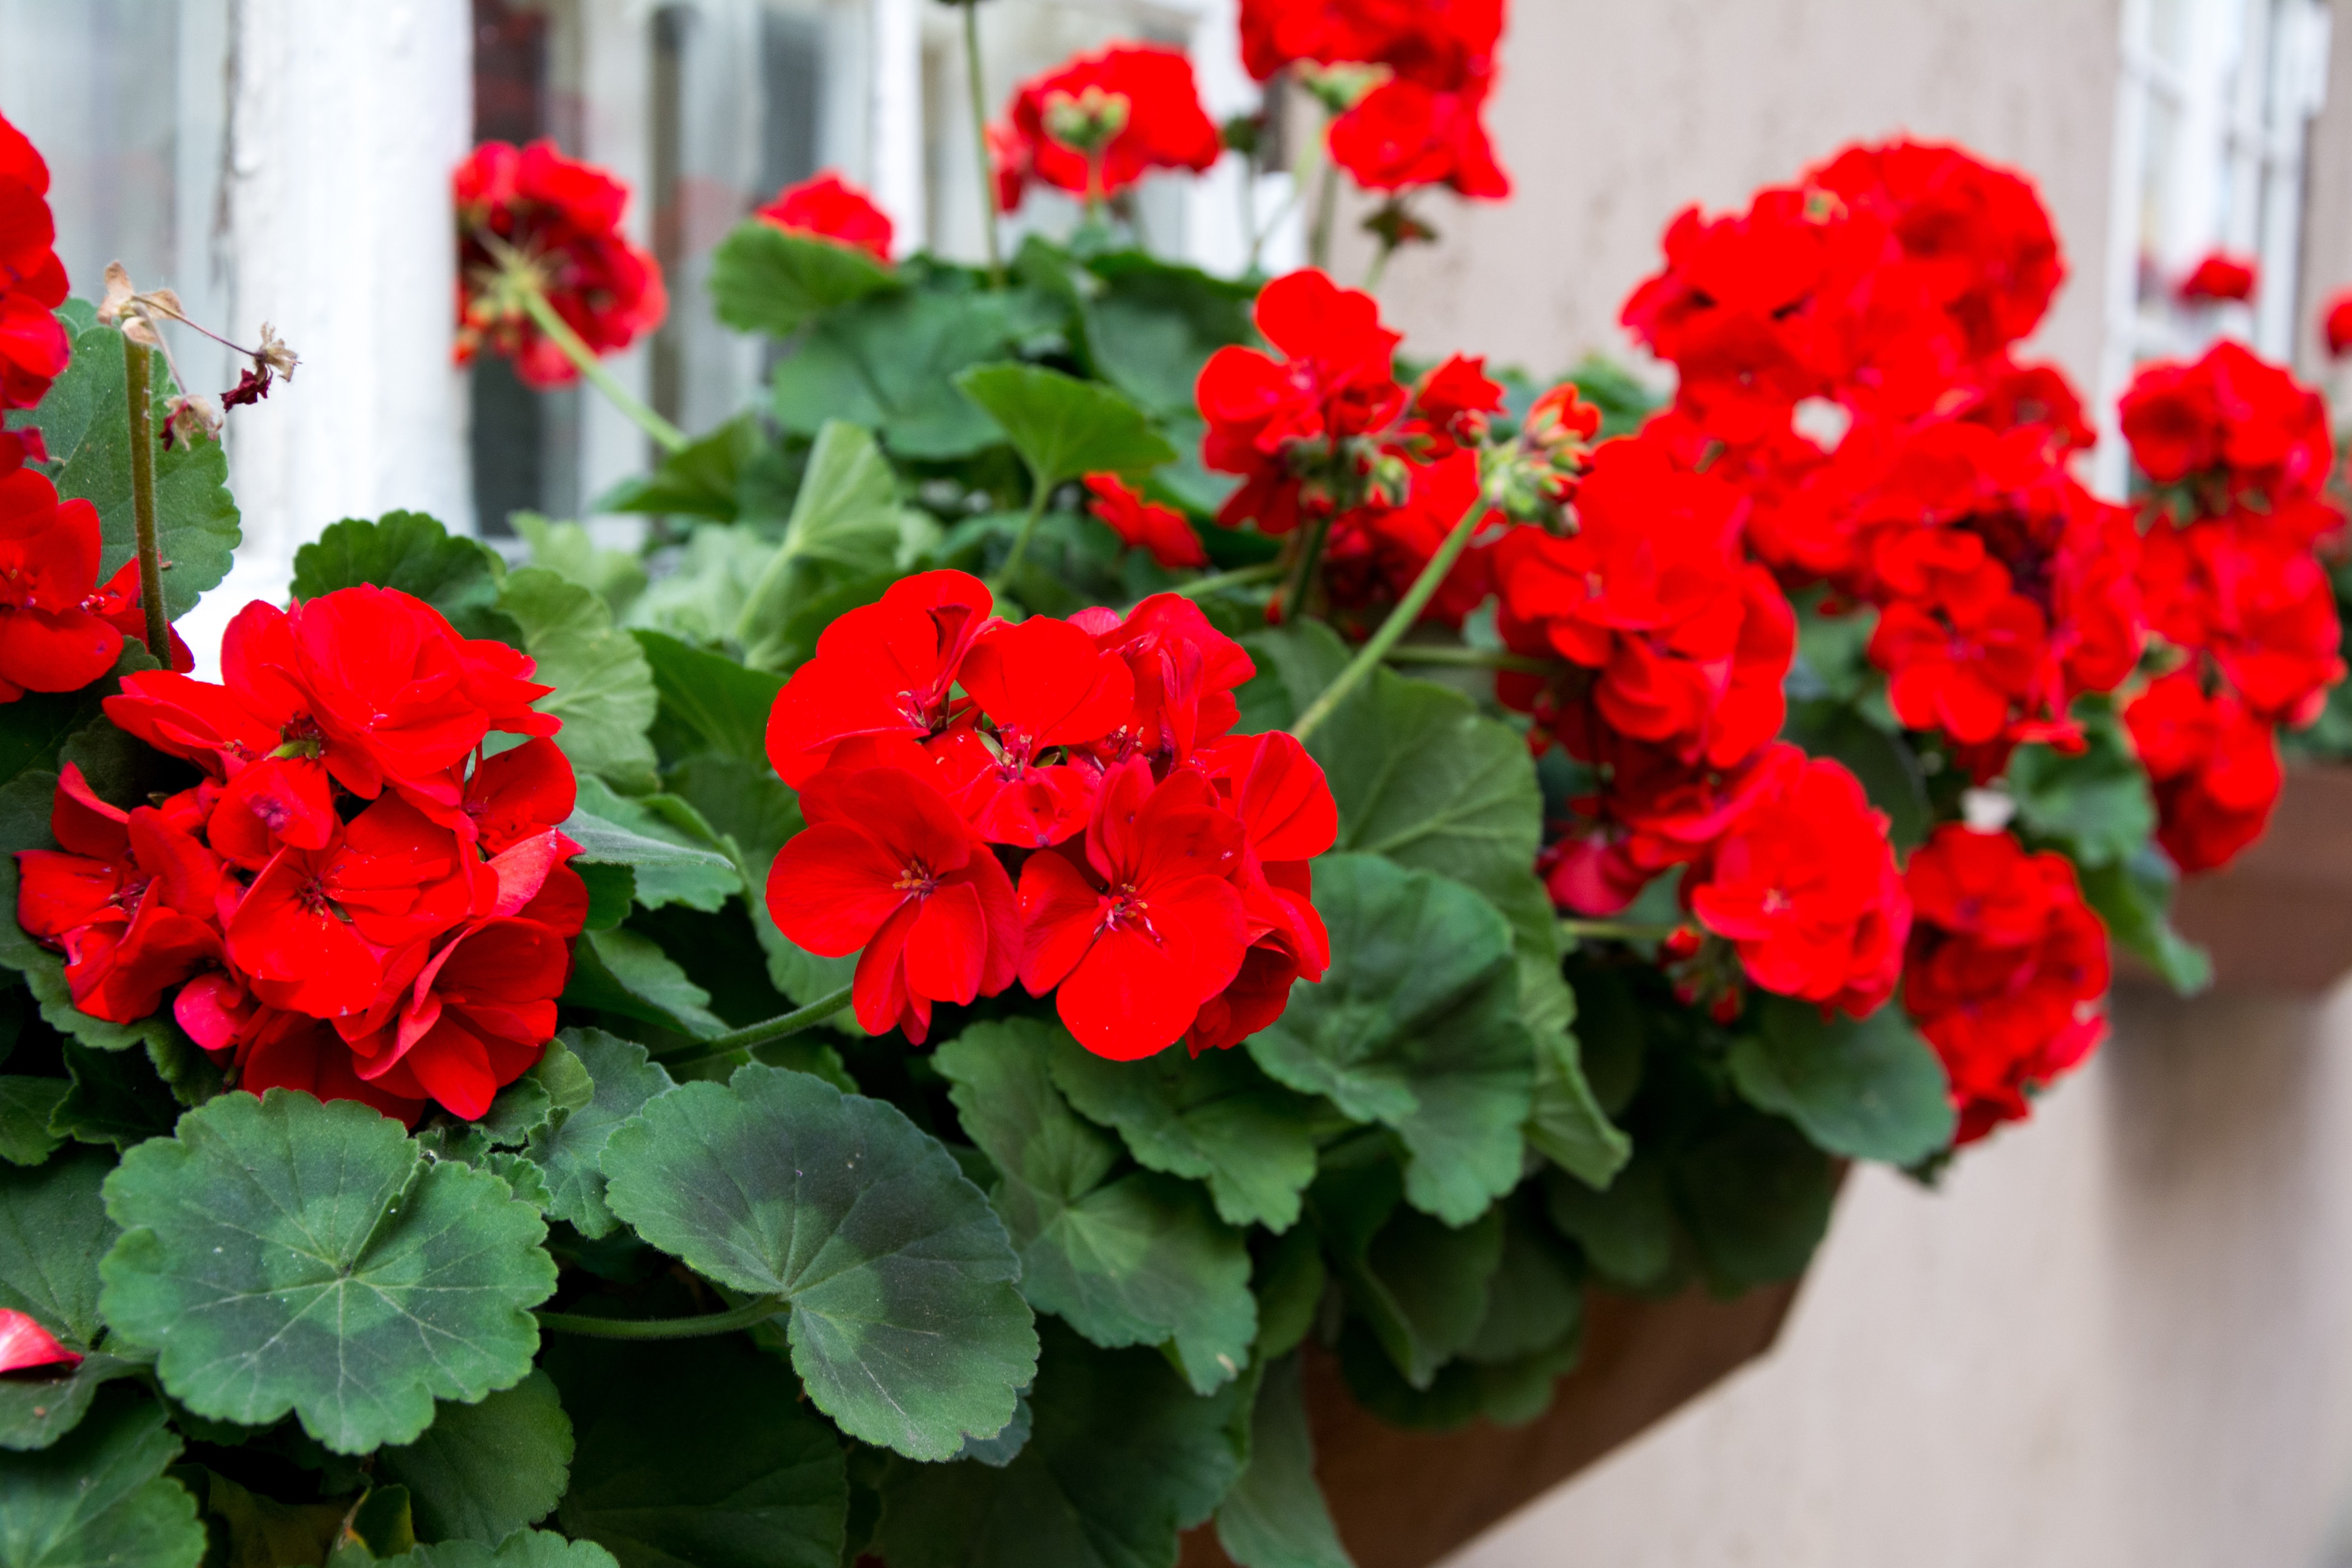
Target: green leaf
[[525, 1549], [1421, 1285], [623, 972], [615, 576], [262, 1530], [763, 279], [721, 704], [703, 478], [1507, 1394], [1756, 1197], [86, 424], [1141, 1259], [53, 1231], [672, 855], [2133, 897], [116, 1097], [903, 1322], [1063, 427], [1416, 1026], [698, 1455], [1881, 759], [282, 1254], [26, 1104], [36, 1410], [1216, 1118], [100, 1496], [1566, 1123], [414, 554], [1154, 325], [1536, 1299], [701, 598], [1869, 1090], [1627, 1233], [888, 363], [484, 1471], [604, 688], [756, 814], [845, 516], [1276, 1516], [2096, 805], [1122, 1458], [1290, 1280], [572, 1151]]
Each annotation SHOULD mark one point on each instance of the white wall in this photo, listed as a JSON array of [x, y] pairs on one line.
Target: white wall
[[2120, 1337]]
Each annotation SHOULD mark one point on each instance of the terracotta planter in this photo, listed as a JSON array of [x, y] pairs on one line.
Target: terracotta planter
[[2281, 916], [1404, 1500]]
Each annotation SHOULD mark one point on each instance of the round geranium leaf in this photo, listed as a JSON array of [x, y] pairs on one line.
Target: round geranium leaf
[[283, 1254], [905, 1323]]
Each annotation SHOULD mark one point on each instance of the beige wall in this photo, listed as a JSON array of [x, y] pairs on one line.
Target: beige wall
[[1614, 114], [2119, 1337]]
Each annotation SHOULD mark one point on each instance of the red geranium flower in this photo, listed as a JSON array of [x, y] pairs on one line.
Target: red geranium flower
[[1163, 531], [33, 348], [24, 1343], [1284, 803], [1441, 44], [2005, 970], [1271, 418], [2214, 766], [1403, 134], [1804, 885], [48, 568], [2218, 277], [1136, 932], [2230, 421], [1101, 121], [562, 218], [883, 670], [829, 207], [1184, 672], [887, 865], [2336, 322], [1044, 687]]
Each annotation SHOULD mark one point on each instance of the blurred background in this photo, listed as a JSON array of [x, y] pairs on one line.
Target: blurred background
[[2120, 1335]]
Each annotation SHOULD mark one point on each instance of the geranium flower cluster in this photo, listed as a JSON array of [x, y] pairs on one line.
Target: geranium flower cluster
[[558, 222], [1326, 439], [357, 897], [1431, 67], [1058, 802], [1098, 123], [33, 345], [2006, 970], [828, 206], [2237, 453]]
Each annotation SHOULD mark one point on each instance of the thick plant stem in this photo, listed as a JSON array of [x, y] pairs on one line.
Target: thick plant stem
[[760, 1034], [1401, 619], [135, 363], [1469, 658], [980, 142], [996, 584], [1302, 571], [592, 370], [1326, 218], [1239, 577], [1615, 931], [757, 1310]]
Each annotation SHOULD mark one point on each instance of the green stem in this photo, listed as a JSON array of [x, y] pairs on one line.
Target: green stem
[[980, 142], [135, 363], [1400, 620], [1380, 267], [1327, 217], [1240, 577], [1302, 576], [760, 1034], [1616, 930], [759, 1310], [559, 331], [1043, 492], [1469, 658]]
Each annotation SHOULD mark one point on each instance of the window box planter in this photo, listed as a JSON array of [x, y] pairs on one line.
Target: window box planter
[[2280, 917]]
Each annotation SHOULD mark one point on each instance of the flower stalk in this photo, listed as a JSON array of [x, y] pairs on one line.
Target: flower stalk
[[759, 1310], [525, 290], [972, 91], [1400, 620], [1470, 657], [781, 1027], [1239, 577], [139, 396]]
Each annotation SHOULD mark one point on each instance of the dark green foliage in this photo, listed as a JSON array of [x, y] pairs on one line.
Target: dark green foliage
[[414, 554]]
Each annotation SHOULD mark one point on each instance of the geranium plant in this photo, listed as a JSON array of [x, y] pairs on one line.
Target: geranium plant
[[1117, 836]]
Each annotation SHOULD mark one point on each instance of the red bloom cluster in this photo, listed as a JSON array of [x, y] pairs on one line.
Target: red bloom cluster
[[1163, 531], [1080, 819], [1420, 125], [33, 345], [2218, 277], [2229, 574], [58, 629], [560, 218], [2336, 322], [2006, 970], [1099, 122], [829, 207], [1324, 435], [354, 901]]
